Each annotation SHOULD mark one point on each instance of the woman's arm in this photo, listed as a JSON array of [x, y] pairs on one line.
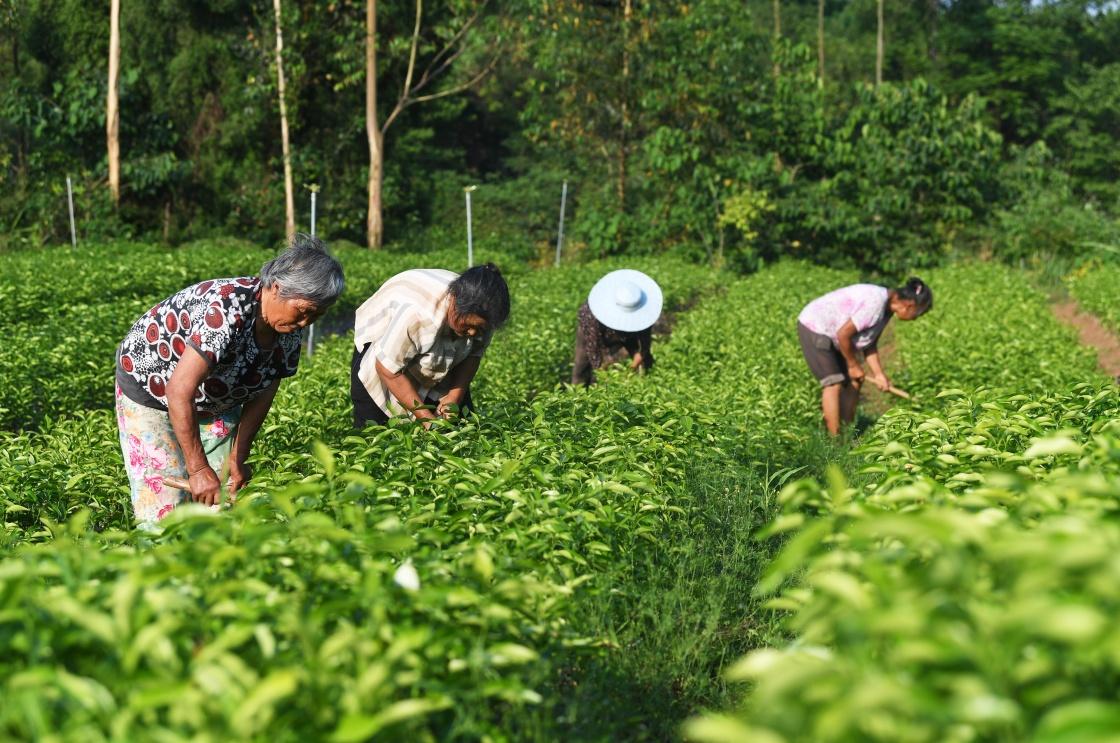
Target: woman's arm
[[188, 375], [642, 359], [402, 388], [460, 380], [844, 341], [880, 379], [252, 416]]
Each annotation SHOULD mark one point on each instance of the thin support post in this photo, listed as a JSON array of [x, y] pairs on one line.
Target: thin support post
[[70, 199], [560, 231], [311, 328], [470, 235]]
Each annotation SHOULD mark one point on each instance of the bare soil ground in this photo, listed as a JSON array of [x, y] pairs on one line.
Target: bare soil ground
[[1092, 333]]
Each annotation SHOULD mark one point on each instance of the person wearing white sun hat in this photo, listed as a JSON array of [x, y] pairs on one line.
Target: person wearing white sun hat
[[619, 314]]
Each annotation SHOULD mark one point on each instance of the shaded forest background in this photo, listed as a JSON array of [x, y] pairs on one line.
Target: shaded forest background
[[734, 132]]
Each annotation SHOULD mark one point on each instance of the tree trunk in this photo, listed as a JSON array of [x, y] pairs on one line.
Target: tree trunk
[[23, 146], [112, 109], [820, 39], [879, 48], [289, 194], [624, 131], [374, 226], [934, 7], [777, 33]]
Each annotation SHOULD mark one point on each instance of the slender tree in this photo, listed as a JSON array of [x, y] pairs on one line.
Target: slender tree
[[289, 192], [879, 47], [112, 108], [934, 9], [624, 129], [820, 39], [442, 61], [777, 32], [374, 228]]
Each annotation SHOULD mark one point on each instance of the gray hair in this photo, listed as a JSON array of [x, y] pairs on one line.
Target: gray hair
[[305, 271]]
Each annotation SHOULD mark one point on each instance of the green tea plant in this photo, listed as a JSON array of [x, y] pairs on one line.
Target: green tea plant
[[963, 593], [988, 327], [505, 576], [1094, 287]]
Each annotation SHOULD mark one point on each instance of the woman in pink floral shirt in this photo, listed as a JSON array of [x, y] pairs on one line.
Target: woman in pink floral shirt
[[197, 373], [837, 328]]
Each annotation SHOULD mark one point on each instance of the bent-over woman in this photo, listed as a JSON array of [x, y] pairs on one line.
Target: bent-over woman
[[419, 340], [836, 328], [197, 373], [618, 315]]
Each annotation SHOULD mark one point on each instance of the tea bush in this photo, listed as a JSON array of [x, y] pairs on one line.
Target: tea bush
[[1094, 288], [963, 593], [988, 327], [60, 335], [505, 576]]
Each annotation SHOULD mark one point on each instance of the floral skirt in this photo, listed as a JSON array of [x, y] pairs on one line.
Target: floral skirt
[[151, 453]]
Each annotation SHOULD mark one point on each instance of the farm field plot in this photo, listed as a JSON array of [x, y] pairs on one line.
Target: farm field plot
[[571, 564], [1094, 288]]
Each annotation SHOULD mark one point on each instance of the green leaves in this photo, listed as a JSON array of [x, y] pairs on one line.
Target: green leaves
[[966, 589]]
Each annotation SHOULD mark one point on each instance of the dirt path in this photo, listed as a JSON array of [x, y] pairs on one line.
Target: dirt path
[[1092, 334]]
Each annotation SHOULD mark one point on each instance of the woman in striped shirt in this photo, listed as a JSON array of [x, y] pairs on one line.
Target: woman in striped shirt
[[419, 340]]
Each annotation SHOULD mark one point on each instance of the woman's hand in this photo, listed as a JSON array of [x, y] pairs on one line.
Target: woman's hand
[[451, 403], [206, 488], [636, 362], [882, 382], [239, 475], [855, 373]]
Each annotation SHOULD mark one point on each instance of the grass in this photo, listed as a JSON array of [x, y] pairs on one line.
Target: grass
[[679, 614], [682, 612]]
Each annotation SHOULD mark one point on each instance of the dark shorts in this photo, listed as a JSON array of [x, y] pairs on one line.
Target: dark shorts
[[826, 363], [366, 410]]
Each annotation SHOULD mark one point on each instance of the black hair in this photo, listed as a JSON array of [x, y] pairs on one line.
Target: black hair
[[915, 290], [482, 291]]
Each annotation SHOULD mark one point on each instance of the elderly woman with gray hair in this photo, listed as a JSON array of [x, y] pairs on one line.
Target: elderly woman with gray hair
[[197, 374]]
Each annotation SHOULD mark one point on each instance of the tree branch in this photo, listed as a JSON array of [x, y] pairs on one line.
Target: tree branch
[[459, 88], [412, 53], [431, 72], [444, 59]]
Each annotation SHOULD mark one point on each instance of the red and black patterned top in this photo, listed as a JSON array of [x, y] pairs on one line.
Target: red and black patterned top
[[216, 319]]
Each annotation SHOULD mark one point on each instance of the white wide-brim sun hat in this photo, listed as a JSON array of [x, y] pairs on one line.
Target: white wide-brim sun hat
[[626, 300]]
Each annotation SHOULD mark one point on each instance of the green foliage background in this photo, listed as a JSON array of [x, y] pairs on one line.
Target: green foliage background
[[657, 119]]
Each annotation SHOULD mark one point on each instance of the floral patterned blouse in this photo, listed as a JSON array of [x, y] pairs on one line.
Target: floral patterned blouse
[[215, 318], [599, 342]]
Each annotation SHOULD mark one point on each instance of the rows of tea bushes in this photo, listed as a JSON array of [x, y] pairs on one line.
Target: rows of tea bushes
[[55, 470], [989, 327], [961, 586], [1094, 288], [466, 582], [70, 308], [508, 521]]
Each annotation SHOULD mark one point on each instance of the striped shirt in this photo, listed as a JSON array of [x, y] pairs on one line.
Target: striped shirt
[[405, 323]]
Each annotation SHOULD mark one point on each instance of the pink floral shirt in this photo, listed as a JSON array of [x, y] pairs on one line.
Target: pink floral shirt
[[864, 304]]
